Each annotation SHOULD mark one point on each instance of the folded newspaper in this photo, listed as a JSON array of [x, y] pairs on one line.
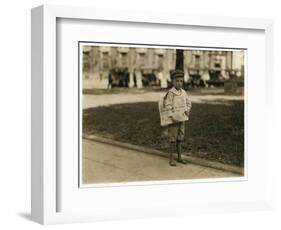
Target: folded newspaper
[[165, 119]]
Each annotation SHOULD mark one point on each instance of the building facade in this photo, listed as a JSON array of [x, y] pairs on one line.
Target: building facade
[[105, 66]]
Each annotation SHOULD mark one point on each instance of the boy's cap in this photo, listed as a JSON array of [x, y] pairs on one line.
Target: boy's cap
[[177, 74]]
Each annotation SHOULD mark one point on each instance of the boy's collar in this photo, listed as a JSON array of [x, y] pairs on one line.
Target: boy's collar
[[175, 91]]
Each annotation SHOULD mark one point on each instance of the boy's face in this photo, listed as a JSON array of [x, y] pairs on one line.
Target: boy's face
[[178, 83]]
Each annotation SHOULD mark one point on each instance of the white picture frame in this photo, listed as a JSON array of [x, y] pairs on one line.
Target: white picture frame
[[45, 181]]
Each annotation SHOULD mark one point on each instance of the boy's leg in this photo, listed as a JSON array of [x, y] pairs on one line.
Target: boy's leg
[[172, 148], [180, 138], [172, 131], [179, 153]]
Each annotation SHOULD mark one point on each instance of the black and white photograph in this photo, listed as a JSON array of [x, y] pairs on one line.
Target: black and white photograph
[[140, 115], [160, 113]]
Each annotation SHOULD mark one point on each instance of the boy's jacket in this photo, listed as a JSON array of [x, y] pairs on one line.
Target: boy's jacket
[[175, 104]]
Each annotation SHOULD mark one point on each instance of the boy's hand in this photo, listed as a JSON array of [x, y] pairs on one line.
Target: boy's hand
[[172, 118]]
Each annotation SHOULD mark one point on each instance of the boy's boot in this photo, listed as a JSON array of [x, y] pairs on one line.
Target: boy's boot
[[179, 153], [172, 161]]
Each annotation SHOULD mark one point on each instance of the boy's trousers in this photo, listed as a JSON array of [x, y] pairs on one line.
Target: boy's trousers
[[176, 131]]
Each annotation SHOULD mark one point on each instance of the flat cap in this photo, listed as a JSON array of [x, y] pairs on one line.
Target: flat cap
[[177, 74]]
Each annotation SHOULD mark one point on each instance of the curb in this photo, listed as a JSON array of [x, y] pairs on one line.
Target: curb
[[194, 160]]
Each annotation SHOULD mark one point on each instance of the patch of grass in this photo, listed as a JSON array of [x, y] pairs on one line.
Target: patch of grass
[[214, 132]]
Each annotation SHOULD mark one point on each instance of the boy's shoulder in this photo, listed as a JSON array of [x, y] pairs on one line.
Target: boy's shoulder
[[176, 92], [184, 91], [169, 92]]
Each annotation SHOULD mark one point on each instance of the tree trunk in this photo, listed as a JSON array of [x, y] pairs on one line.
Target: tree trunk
[[179, 59]]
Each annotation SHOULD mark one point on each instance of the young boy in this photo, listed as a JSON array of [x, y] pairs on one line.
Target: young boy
[[178, 105]]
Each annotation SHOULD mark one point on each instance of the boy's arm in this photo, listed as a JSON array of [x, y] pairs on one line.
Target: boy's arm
[[188, 103], [168, 103]]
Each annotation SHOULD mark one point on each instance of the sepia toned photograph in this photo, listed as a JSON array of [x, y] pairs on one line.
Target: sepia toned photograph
[[160, 113]]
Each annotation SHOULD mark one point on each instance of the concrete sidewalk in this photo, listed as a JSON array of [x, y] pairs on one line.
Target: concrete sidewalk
[[90, 101], [103, 163]]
